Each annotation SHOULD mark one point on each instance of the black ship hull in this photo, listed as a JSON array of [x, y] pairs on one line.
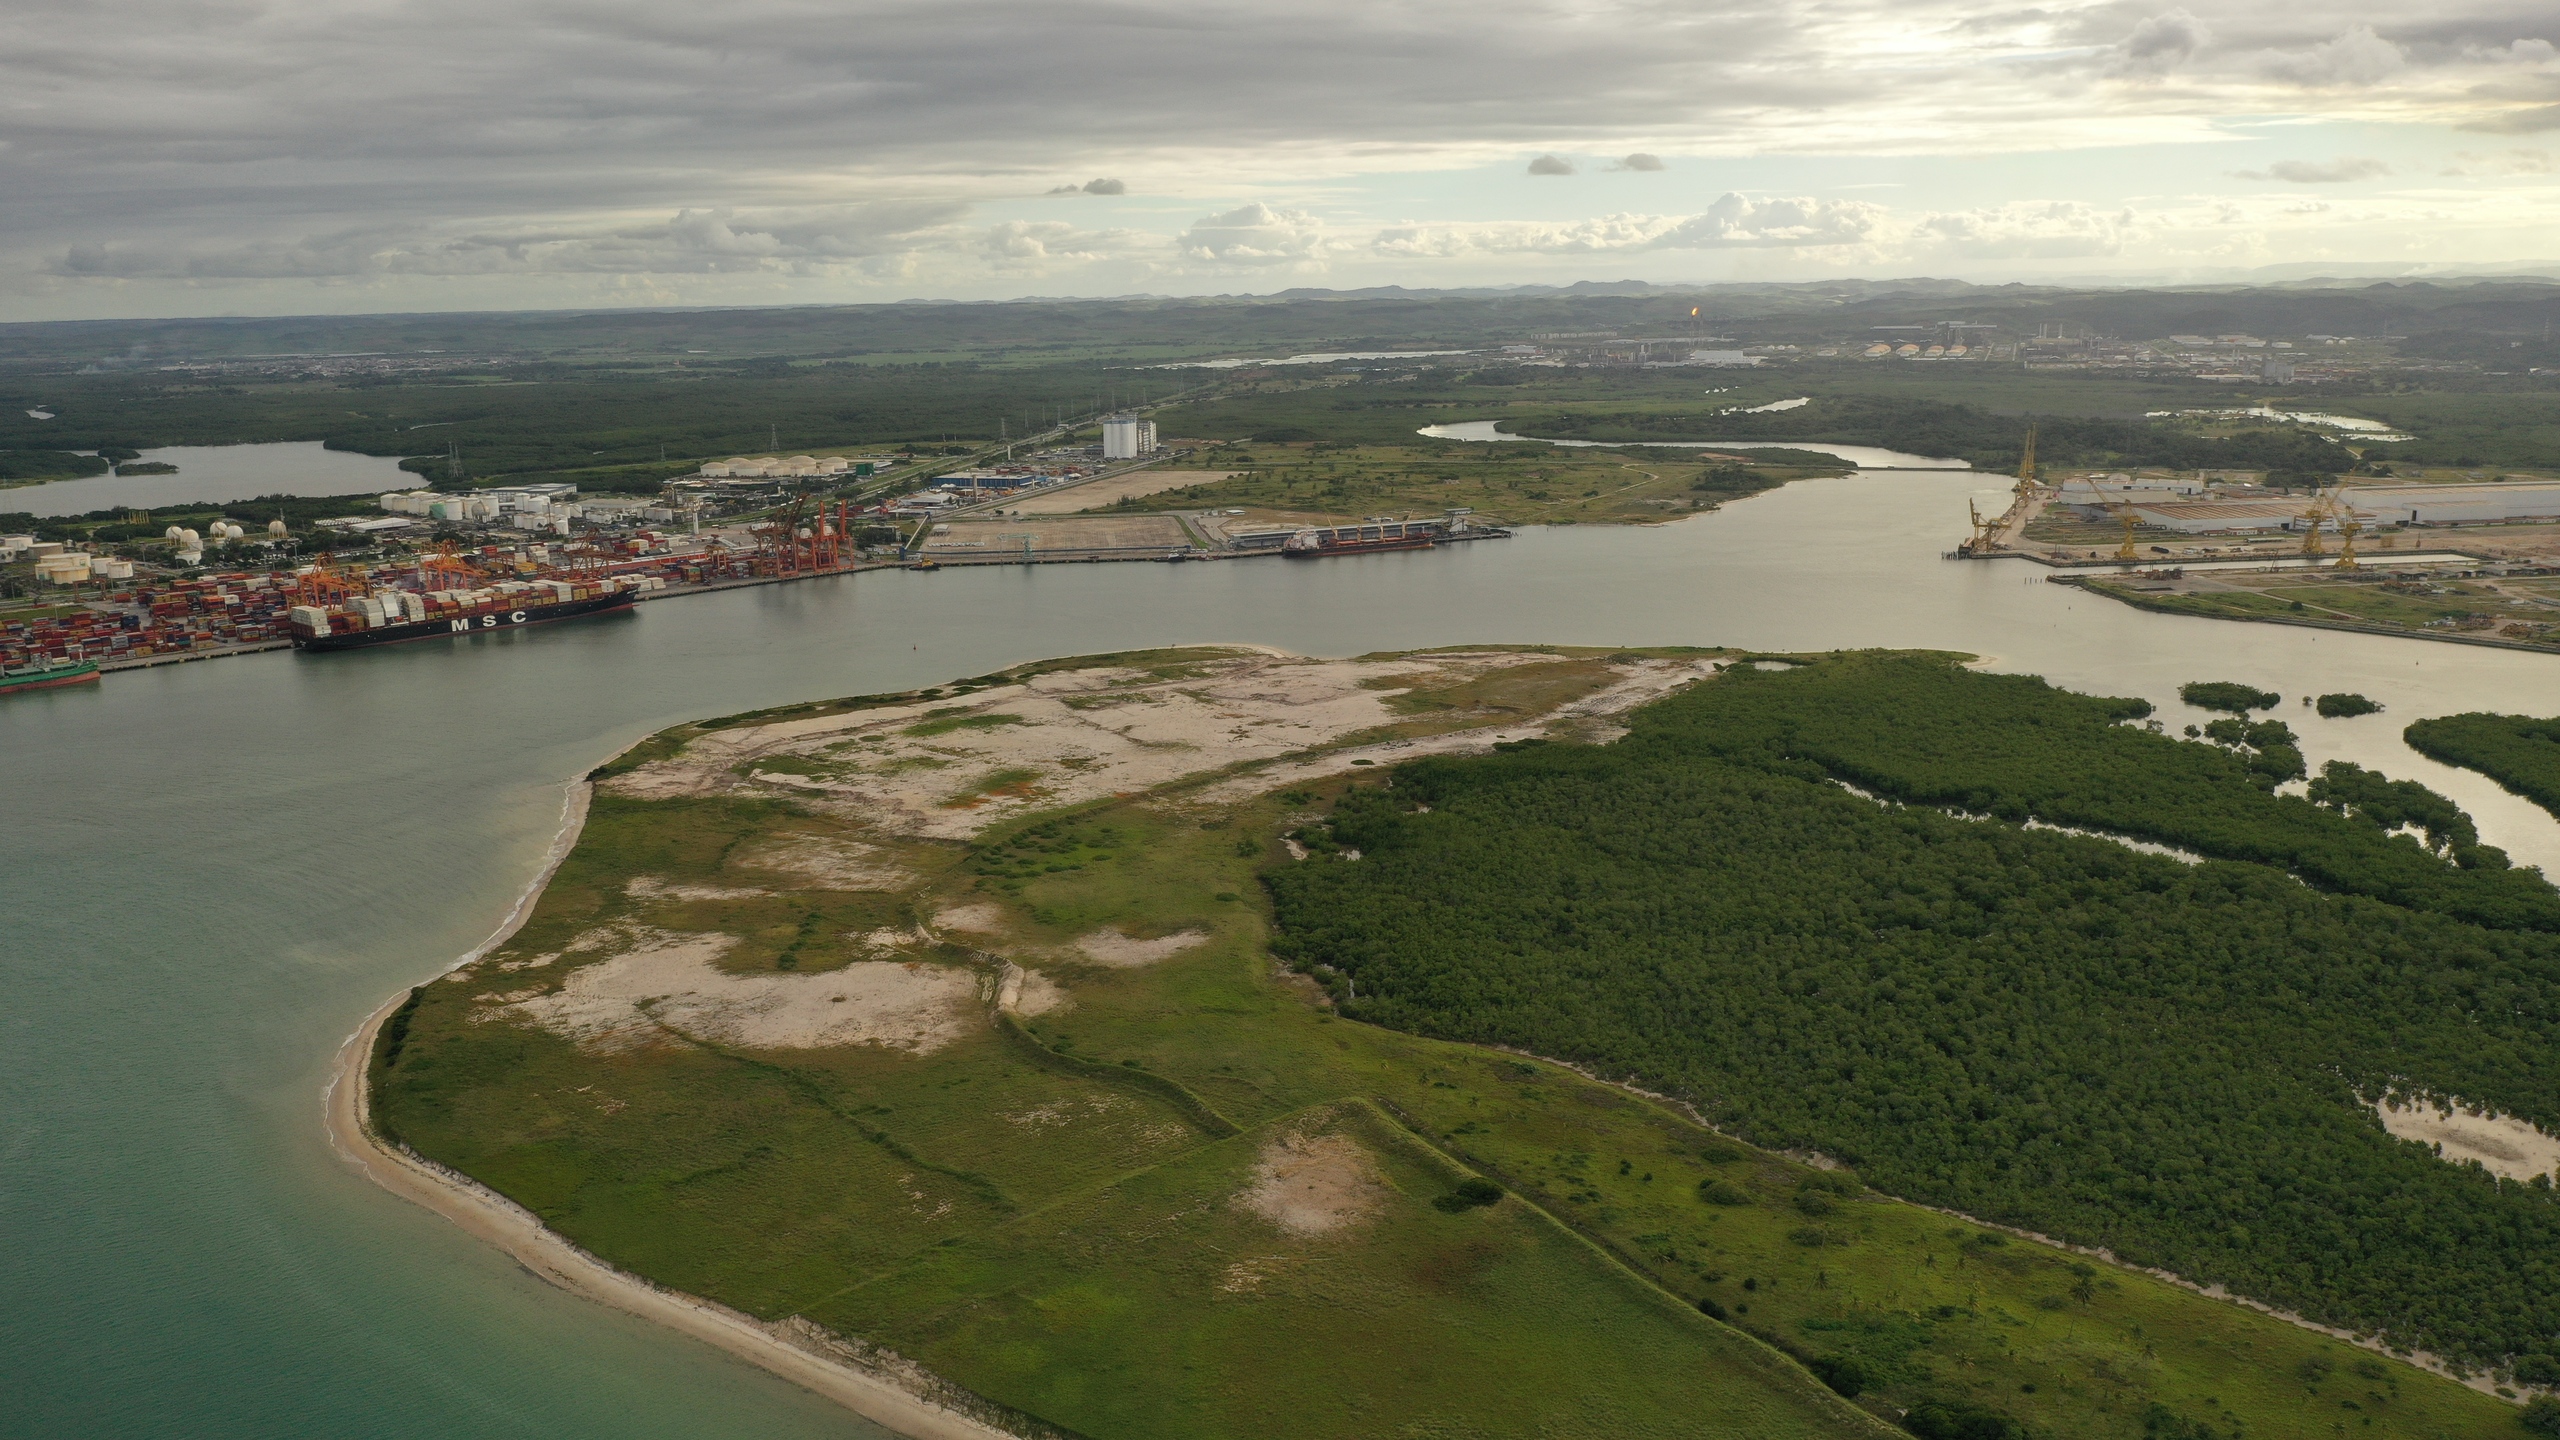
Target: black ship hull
[[477, 622]]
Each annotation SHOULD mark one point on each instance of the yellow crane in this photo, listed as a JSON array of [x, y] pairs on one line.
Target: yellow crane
[[1980, 539], [2348, 528], [2027, 466], [2125, 516], [2311, 520]]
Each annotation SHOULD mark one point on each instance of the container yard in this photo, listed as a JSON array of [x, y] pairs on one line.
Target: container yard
[[108, 613]]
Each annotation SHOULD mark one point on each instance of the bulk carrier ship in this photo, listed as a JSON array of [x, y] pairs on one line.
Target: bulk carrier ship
[[389, 616], [1365, 538]]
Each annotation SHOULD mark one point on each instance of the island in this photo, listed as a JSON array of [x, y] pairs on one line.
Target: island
[[1513, 1040]]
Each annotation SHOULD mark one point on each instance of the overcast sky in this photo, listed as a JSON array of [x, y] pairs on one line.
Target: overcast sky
[[282, 156]]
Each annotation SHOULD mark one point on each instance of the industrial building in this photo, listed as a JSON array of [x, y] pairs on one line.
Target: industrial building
[[2459, 504], [1126, 437]]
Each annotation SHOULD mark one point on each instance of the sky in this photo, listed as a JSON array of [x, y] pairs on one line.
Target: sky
[[337, 156]]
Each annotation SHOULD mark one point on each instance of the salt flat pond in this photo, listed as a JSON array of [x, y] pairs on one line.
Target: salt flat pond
[[216, 474]]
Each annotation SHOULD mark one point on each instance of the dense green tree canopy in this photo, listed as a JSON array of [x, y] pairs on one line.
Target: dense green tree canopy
[[2172, 1059]]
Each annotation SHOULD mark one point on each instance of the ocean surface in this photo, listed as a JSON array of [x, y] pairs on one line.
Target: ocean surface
[[217, 474], [211, 873]]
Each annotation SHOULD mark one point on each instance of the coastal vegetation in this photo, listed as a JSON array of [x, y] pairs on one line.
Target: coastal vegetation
[[2520, 752], [34, 467], [2339, 705], [1071, 1203], [2172, 1059], [1518, 483], [2228, 695]]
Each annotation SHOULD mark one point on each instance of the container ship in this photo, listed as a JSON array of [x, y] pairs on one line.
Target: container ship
[[48, 676], [1365, 538], [389, 616]]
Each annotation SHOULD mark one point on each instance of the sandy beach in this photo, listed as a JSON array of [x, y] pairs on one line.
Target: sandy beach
[[797, 1352]]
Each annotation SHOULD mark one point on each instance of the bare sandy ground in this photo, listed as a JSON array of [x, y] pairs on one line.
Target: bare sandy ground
[[663, 986], [1312, 1185], [2502, 1144], [1110, 947], [793, 1349], [1074, 736], [1099, 493]]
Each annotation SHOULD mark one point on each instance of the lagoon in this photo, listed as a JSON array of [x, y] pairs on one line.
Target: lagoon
[[1865, 457], [217, 475]]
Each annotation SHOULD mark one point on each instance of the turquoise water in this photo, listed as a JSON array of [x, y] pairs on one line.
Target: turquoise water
[[211, 873]]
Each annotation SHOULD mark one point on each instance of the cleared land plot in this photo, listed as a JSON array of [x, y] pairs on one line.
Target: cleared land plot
[[1098, 493], [1053, 536]]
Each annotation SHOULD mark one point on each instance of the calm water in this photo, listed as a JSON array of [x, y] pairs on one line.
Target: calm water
[[217, 474], [212, 872], [1865, 457]]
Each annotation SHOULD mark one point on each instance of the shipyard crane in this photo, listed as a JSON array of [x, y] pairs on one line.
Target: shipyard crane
[[2027, 467], [2126, 515], [2348, 528], [1986, 531], [2312, 519]]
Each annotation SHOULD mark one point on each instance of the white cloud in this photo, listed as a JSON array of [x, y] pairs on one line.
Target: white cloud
[[2518, 161], [2339, 171], [1739, 220], [2043, 230], [1255, 234]]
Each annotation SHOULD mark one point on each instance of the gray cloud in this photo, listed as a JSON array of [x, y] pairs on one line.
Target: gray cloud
[[2518, 161], [1105, 187], [1639, 161], [2161, 43], [255, 141], [2319, 172], [1551, 165], [2518, 122], [2357, 57]]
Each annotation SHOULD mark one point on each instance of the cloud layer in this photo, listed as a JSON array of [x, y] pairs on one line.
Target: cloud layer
[[888, 142]]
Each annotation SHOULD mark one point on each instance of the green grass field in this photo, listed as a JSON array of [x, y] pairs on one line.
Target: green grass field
[[1060, 1217]]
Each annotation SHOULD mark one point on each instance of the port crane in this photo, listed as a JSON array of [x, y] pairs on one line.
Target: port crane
[[1987, 531], [2126, 517]]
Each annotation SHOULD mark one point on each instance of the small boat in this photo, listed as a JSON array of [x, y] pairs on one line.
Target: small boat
[[48, 675]]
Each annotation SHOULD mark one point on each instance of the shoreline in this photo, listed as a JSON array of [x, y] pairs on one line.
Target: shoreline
[[794, 1349]]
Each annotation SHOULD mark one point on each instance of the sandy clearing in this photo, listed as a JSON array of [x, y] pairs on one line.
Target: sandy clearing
[[1028, 992], [1592, 718], [1083, 735], [1313, 1185], [669, 982], [981, 918], [880, 1386], [1095, 494], [1110, 947], [826, 862], [651, 887], [2502, 1144]]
